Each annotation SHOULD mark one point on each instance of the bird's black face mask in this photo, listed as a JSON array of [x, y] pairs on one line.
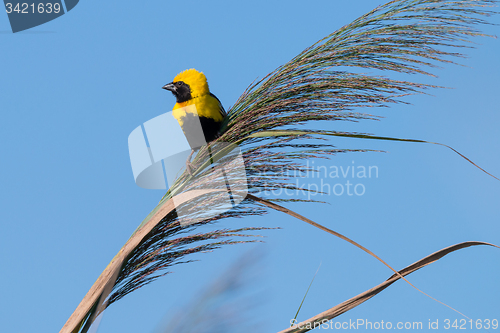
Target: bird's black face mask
[[181, 91]]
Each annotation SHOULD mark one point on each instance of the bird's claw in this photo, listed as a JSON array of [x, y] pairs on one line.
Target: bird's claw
[[189, 168]]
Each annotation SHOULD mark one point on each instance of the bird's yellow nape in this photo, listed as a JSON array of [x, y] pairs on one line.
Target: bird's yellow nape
[[197, 81]]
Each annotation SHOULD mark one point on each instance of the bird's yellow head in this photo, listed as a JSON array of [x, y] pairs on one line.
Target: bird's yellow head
[[188, 84]]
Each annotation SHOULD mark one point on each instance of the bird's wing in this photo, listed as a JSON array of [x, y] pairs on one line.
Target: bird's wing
[[221, 108]]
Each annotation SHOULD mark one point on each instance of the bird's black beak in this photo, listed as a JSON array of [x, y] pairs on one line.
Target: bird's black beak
[[170, 87]]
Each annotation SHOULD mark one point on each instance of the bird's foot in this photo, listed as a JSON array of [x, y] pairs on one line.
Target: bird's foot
[[190, 168]]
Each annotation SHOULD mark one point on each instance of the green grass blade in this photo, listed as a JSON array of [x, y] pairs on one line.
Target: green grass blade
[[307, 291]]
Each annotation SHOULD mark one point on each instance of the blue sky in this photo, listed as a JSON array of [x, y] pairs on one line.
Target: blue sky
[[74, 88]]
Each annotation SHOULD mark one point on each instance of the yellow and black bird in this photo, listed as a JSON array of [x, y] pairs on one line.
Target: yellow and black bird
[[198, 111]]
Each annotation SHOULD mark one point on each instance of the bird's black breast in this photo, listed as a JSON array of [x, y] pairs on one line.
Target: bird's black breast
[[191, 128]]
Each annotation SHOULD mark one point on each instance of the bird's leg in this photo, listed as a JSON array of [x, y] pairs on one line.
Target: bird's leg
[[189, 165]]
